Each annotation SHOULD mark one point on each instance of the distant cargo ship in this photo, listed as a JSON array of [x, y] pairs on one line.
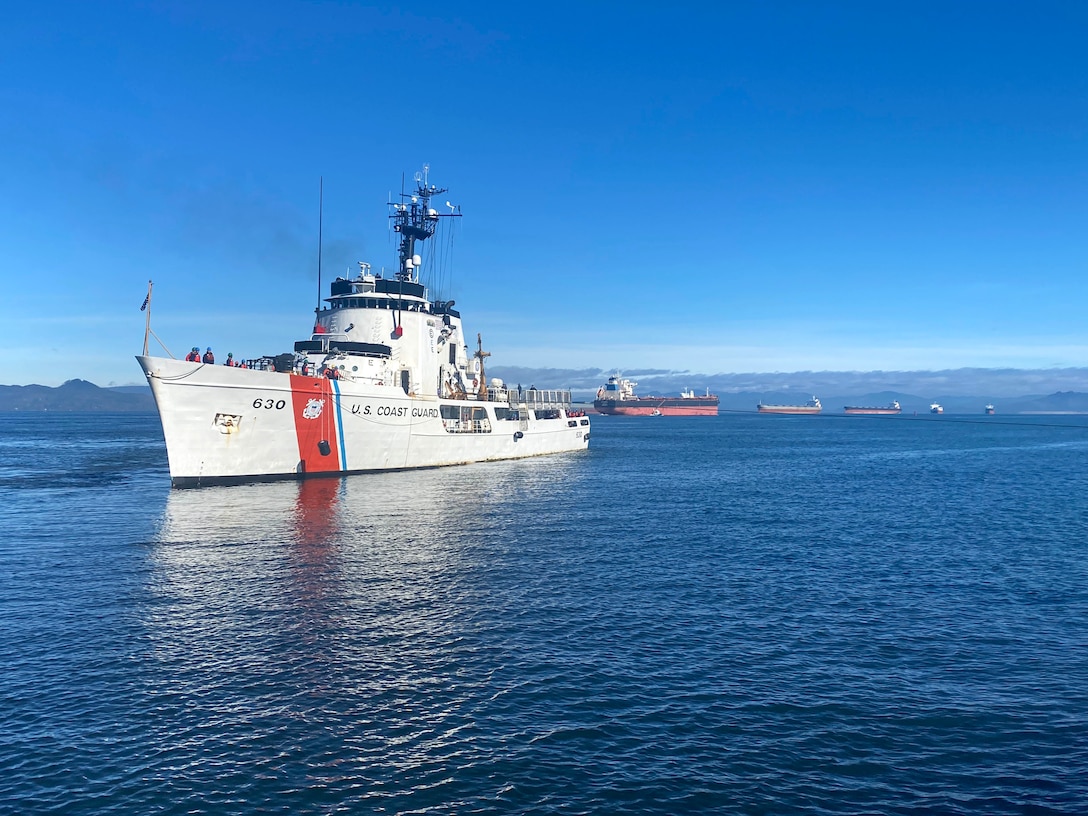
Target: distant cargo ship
[[811, 407], [617, 398], [887, 409], [936, 408]]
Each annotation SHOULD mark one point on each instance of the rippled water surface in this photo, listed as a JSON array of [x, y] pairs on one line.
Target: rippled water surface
[[741, 615]]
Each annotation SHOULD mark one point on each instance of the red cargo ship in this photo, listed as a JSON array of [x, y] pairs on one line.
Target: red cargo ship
[[617, 398]]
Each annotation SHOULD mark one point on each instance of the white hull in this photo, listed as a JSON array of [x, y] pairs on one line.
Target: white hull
[[225, 424]]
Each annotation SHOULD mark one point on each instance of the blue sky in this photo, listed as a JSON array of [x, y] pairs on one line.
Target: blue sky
[[730, 187]]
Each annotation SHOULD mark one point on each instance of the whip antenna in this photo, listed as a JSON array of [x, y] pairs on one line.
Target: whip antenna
[[320, 203]]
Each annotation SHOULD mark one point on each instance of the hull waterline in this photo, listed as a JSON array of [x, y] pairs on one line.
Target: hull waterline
[[651, 407], [882, 410]]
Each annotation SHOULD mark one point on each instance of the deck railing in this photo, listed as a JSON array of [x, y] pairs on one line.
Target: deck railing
[[530, 398], [467, 426]]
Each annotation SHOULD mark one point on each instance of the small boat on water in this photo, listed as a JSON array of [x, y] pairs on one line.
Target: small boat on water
[[936, 408], [617, 398], [884, 409], [989, 409], [811, 407]]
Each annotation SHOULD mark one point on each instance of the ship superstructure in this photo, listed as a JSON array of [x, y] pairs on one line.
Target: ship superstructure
[[386, 380]]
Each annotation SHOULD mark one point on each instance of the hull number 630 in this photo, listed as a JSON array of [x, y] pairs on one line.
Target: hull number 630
[[269, 403]]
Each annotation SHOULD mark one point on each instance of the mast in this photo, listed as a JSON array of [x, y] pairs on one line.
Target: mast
[[414, 220], [481, 391]]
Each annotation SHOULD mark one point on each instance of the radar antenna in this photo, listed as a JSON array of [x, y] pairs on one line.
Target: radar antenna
[[414, 220]]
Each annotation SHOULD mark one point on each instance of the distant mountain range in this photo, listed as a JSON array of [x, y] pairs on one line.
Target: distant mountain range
[[973, 384], [1062, 402], [80, 395], [75, 395], [960, 391]]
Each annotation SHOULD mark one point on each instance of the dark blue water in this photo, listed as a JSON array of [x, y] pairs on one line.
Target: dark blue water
[[739, 615]]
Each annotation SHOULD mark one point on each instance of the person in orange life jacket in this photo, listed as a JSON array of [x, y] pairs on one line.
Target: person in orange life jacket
[[230, 359], [209, 357], [193, 356], [332, 373]]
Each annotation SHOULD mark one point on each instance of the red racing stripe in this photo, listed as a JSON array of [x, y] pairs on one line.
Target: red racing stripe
[[315, 422]]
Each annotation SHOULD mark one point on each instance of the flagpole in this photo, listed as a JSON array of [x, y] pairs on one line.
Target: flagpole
[[147, 325]]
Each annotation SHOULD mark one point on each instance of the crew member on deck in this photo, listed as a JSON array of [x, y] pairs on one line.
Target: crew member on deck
[[193, 356], [209, 357], [230, 359]]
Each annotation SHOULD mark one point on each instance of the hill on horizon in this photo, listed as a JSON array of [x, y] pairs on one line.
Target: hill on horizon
[[74, 395], [1062, 402]]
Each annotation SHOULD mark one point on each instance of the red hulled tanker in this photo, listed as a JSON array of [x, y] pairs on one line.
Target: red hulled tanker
[[617, 398]]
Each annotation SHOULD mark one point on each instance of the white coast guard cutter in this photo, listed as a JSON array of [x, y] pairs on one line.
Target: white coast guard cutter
[[386, 381]]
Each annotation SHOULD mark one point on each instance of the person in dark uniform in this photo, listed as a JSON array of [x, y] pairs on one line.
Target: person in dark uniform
[[209, 357]]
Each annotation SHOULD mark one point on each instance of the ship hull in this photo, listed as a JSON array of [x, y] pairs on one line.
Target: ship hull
[[224, 425], [787, 409], [855, 410], [663, 406]]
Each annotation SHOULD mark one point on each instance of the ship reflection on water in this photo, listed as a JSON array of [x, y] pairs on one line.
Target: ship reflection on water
[[338, 582], [422, 511]]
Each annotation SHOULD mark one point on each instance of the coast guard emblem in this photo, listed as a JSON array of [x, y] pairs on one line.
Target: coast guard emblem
[[313, 409]]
